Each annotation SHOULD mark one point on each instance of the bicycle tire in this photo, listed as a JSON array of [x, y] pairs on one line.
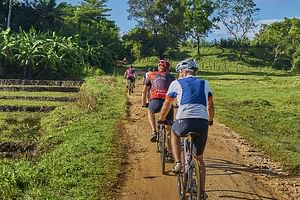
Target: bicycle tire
[[181, 178], [130, 87], [194, 181], [162, 148], [181, 186]]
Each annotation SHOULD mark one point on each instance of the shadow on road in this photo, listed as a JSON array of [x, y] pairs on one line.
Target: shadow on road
[[232, 194], [225, 167]]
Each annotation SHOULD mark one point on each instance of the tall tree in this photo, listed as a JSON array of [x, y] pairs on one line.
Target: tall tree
[[163, 18], [238, 18], [197, 18]]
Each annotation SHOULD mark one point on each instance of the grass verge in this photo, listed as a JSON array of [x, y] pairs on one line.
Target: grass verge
[[263, 109], [76, 156]]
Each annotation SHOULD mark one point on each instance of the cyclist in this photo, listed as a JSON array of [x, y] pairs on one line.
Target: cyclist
[[130, 75], [195, 113], [158, 82]]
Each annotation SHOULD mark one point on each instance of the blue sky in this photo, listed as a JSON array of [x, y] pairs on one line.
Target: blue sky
[[270, 11]]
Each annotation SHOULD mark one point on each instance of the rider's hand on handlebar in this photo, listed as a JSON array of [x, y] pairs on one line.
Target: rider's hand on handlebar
[[161, 121]]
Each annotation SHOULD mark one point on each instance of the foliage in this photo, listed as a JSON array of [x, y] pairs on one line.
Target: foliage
[[92, 39], [296, 62], [162, 18], [140, 42], [282, 38], [238, 18]]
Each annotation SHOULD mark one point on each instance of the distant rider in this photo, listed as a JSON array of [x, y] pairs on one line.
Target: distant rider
[[130, 75]]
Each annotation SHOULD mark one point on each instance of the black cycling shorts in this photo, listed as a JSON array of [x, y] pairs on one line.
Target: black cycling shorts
[[182, 126], [155, 106]]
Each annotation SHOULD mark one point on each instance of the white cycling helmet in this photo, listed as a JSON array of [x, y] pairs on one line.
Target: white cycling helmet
[[187, 64]]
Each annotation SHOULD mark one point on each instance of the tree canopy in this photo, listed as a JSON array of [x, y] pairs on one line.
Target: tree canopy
[[283, 38]]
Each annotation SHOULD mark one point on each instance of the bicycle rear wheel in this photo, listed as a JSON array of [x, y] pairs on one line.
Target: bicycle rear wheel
[[181, 186], [162, 142], [182, 178], [194, 187], [130, 87]]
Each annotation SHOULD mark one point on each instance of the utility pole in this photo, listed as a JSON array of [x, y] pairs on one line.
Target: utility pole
[[9, 13]]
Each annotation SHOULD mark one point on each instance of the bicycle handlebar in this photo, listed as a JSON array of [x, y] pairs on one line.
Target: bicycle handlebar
[[165, 122]]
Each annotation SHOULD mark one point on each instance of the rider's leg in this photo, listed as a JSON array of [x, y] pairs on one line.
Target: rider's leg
[[151, 118], [170, 118], [168, 138], [202, 171], [176, 147]]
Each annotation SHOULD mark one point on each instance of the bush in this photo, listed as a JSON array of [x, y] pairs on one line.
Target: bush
[[282, 64]]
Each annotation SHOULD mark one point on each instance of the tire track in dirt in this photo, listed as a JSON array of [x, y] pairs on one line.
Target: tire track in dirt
[[234, 169]]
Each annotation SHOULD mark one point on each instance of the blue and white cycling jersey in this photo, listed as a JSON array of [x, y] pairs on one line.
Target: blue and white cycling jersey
[[192, 96]]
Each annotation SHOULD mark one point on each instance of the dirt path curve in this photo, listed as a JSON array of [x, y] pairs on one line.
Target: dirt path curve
[[234, 169]]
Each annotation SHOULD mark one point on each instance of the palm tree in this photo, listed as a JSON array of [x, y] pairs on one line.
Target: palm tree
[[49, 14]]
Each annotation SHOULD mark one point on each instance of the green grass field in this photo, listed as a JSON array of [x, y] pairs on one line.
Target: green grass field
[[77, 156], [264, 109]]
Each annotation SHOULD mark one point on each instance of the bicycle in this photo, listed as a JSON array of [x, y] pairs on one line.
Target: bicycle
[[161, 143], [130, 85], [188, 181]]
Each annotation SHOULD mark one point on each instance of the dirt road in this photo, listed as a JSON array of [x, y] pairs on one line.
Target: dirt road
[[235, 170]]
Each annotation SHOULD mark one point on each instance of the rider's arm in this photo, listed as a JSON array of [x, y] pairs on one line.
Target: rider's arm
[[166, 108], [211, 109], [125, 74], [144, 94], [170, 98]]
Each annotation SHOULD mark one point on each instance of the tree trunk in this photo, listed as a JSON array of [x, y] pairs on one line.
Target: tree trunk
[[276, 55], [198, 46], [241, 53], [9, 13], [1, 69], [24, 72]]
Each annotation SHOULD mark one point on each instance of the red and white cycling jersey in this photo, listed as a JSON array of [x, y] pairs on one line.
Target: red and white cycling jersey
[[159, 83], [130, 73]]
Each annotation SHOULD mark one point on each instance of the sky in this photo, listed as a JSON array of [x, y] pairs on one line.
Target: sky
[[270, 11]]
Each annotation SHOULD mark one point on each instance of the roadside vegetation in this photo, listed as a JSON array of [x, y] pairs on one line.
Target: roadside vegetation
[[76, 155]]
